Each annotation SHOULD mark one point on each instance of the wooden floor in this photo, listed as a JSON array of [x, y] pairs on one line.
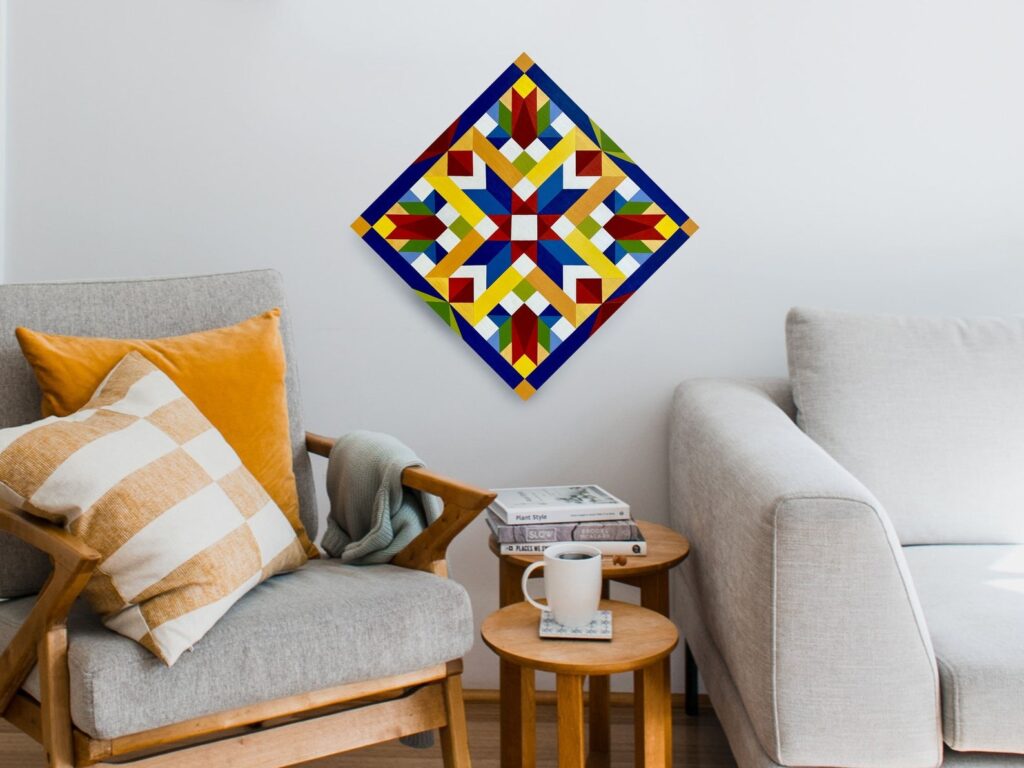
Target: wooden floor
[[698, 743]]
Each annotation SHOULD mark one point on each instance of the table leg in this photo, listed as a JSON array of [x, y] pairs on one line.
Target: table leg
[[600, 711], [518, 717], [571, 750], [518, 709], [510, 578], [653, 717], [692, 695], [654, 594]]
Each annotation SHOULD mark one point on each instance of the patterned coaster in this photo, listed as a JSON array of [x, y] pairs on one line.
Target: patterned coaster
[[598, 629]]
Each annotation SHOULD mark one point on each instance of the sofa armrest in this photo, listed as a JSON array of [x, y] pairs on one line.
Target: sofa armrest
[[462, 503], [802, 584]]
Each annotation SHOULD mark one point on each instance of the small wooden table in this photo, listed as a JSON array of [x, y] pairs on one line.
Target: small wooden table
[[642, 641], [665, 550]]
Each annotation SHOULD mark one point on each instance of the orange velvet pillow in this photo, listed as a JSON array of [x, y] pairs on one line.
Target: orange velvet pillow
[[234, 375]]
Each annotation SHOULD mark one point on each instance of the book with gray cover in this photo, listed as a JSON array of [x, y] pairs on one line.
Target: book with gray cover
[[549, 533]]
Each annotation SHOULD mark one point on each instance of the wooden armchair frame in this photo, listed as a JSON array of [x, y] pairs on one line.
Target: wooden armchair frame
[[270, 734]]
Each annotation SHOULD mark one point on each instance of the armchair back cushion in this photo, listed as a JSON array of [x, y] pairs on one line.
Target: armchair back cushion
[[928, 413], [133, 309]]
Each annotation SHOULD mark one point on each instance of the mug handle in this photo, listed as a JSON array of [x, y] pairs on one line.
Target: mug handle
[[526, 582]]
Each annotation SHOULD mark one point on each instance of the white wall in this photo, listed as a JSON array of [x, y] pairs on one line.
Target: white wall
[[852, 155], [3, 138]]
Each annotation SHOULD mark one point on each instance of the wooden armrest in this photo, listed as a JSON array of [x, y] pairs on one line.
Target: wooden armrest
[[468, 496], [73, 564], [462, 503], [63, 548], [319, 444]]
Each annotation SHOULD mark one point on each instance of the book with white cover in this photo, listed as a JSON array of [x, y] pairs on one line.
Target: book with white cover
[[558, 504], [634, 547]]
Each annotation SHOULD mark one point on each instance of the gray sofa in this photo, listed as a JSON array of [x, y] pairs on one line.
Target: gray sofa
[[855, 592]]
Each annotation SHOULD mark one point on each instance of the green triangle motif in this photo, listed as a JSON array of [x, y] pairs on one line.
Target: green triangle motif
[[505, 119], [631, 208], [505, 333], [544, 336], [544, 117], [416, 246], [607, 145], [417, 208], [442, 309]]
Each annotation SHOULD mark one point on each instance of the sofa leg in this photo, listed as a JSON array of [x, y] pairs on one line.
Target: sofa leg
[[454, 736], [692, 704]]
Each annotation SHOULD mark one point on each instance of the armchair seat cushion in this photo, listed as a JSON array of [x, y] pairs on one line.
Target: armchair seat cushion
[[973, 602], [325, 625]]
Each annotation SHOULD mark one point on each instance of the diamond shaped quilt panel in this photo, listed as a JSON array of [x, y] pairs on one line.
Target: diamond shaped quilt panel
[[524, 226]]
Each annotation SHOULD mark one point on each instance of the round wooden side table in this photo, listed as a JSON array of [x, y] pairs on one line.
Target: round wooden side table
[[641, 643], [665, 550]]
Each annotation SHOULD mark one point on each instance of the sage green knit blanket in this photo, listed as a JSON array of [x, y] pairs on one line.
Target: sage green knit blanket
[[373, 516]]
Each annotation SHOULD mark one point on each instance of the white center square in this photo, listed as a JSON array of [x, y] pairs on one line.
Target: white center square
[[524, 265], [524, 227]]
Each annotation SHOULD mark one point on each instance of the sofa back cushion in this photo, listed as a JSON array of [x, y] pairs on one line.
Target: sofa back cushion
[[927, 412], [132, 309]]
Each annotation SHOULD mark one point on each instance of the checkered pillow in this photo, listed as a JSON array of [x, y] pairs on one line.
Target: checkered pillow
[[140, 475]]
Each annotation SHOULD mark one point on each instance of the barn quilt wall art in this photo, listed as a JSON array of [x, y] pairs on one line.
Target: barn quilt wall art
[[524, 226]]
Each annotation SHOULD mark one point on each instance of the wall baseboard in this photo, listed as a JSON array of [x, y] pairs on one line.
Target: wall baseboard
[[618, 698]]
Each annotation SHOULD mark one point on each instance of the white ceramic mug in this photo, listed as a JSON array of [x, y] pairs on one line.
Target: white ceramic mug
[[572, 582]]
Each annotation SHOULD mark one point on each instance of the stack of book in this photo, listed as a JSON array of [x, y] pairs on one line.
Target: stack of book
[[529, 520]]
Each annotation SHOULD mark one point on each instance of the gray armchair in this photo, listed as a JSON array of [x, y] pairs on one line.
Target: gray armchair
[[819, 636], [309, 664]]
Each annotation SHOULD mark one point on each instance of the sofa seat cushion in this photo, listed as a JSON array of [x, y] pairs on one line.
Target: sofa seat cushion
[[325, 625], [973, 602]]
